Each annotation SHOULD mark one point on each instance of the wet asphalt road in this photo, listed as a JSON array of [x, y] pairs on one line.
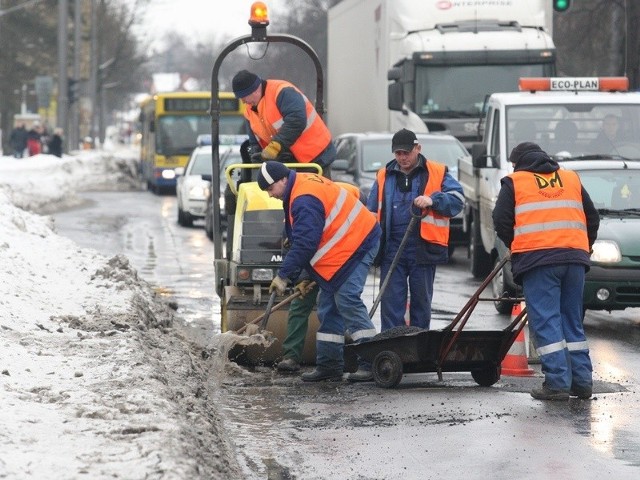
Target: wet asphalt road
[[425, 428]]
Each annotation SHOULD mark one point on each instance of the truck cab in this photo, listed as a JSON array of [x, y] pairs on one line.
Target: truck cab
[[566, 117]]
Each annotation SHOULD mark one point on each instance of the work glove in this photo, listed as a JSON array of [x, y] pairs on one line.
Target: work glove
[[271, 151], [286, 243], [303, 287], [278, 284]]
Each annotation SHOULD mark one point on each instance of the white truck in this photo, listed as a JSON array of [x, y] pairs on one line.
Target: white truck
[[442, 57], [565, 117]]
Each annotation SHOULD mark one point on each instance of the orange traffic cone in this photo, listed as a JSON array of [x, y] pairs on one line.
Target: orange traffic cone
[[515, 362]]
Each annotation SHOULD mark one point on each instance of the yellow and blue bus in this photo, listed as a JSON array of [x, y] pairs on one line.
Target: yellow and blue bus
[[170, 124]]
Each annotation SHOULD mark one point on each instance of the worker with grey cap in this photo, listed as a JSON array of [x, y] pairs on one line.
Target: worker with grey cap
[[335, 238], [283, 121], [412, 184]]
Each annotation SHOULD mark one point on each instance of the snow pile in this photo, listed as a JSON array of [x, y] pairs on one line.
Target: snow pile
[[95, 382]]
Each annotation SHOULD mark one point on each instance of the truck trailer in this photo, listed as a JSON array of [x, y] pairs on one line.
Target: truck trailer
[[428, 65]]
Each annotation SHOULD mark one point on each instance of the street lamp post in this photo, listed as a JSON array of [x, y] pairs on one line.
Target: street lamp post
[[63, 100]]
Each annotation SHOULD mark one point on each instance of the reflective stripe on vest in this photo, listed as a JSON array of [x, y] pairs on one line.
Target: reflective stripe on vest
[[434, 228], [266, 122], [347, 222], [548, 211]]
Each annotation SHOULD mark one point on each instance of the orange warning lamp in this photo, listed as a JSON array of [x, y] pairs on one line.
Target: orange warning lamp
[[259, 15]]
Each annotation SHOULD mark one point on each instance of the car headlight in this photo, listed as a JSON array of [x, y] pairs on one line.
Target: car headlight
[[606, 251], [198, 192], [168, 174]]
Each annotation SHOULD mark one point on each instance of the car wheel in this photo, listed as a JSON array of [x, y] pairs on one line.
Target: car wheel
[[184, 219], [480, 259], [500, 290]]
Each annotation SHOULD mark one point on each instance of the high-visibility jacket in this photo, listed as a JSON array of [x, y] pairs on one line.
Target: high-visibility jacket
[[548, 211], [434, 228], [351, 188], [266, 122], [347, 222]]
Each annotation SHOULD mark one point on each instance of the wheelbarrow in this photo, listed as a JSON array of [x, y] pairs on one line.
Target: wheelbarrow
[[451, 349]]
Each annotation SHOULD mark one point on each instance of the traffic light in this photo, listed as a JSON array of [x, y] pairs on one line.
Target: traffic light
[[72, 90], [561, 5]]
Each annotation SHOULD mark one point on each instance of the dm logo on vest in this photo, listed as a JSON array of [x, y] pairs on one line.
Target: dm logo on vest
[[549, 186], [548, 182]]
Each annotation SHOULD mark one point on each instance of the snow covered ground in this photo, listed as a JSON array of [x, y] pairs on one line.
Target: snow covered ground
[[95, 380]]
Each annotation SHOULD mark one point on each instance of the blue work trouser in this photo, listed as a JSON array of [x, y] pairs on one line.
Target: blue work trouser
[[553, 296], [394, 298], [344, 311]]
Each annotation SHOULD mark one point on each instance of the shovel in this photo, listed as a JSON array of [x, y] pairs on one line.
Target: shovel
[[396, 258], [264, 317]]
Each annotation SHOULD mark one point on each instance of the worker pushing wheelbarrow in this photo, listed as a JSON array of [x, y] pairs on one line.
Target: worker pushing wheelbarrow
[[451, 349]]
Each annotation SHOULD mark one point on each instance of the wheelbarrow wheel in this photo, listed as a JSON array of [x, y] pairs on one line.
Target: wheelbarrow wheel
[[487, 376], [387, 369]]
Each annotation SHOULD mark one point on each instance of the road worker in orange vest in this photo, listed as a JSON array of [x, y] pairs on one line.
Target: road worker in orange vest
[[547, 219]]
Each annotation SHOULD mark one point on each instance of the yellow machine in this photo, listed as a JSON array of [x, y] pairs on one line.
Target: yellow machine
[[253, 253]]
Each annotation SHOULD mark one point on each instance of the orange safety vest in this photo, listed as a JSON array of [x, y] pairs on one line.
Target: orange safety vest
[[347, 222], [434, 228], [350, 187], [266, 122], [548, 211]]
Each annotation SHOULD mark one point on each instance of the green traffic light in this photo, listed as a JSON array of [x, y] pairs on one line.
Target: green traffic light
[[561, 5]]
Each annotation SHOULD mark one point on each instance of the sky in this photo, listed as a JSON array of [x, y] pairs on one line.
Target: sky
[[85, 393], [200, 20]]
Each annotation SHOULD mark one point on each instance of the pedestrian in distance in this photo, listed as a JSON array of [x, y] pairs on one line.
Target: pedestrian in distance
[[55, 142], [335, 238], [18, 140], [547, 219], [34, 144], [283, 122], [409, 183]]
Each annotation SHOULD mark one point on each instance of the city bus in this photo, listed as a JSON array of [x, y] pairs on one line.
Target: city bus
[[170, 124]]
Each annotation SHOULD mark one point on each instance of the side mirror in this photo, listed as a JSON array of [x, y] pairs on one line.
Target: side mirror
[[395, 97], [207, 177], [340, 164], [179, 171], [479, 155]]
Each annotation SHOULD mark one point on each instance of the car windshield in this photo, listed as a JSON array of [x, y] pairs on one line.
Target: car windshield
[[612, 189], [201, 164], [577, 130], [228, 157], [377, 153]]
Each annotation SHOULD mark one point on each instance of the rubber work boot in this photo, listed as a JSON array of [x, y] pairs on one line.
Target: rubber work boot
[[581, 392], [322, 374], [360, 375], [288, 365], [546, 393]]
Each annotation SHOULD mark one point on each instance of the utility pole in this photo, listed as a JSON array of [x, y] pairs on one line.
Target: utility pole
[[63, 84], [93, 74], [74, 127]]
